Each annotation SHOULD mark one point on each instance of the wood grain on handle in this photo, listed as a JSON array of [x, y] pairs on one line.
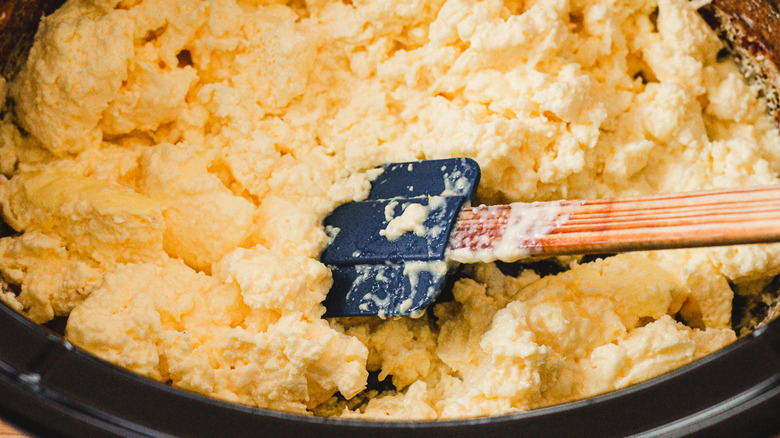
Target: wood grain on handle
[[680, 220]]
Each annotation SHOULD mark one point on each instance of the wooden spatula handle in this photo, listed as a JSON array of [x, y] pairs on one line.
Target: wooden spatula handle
[[714, 218], [681, 220]]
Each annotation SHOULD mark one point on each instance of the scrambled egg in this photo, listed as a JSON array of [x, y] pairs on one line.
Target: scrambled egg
[[167, 165]]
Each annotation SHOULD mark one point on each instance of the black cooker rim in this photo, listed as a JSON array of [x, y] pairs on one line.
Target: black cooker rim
[[51, 388]]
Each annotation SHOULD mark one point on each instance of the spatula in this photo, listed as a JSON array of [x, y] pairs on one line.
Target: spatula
[[391, 253]]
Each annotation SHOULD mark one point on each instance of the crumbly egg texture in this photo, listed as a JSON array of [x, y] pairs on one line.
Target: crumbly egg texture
[[167, 164]]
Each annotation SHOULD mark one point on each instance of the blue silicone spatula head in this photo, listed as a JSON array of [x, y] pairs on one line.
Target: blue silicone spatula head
[[374, 275]]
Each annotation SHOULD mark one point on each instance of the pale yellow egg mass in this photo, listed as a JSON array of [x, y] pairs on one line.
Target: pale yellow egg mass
[[167, 165]]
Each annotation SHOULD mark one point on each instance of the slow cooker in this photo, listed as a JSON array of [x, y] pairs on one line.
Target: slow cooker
[[50, 388]]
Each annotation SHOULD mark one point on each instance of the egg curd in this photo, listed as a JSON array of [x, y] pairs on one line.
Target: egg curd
[[167, 166]]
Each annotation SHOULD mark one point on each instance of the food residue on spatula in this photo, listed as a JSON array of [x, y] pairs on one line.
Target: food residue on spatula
[[412, 220], [524, 224]]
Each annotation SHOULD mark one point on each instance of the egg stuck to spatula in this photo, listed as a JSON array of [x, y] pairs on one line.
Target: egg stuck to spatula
[[390, 254]]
